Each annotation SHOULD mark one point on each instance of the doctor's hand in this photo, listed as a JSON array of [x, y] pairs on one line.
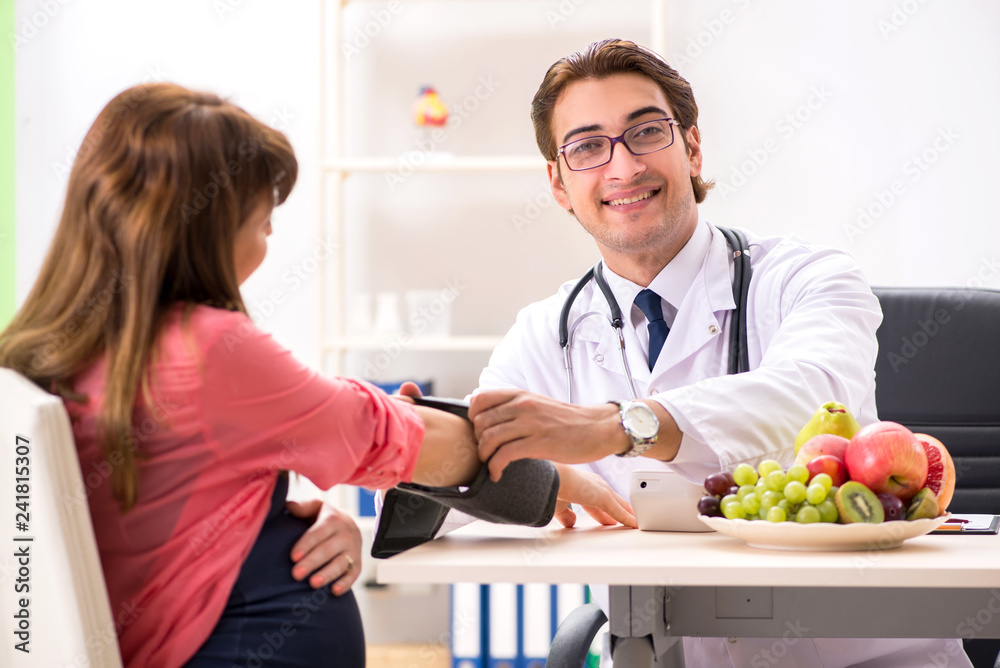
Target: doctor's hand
[[595, 495], [515, 424], [330, 549]]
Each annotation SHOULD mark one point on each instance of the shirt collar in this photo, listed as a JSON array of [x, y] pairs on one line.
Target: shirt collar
[[674, 280]]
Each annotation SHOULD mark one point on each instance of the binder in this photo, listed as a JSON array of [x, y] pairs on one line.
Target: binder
[[504, 626], [537, 623], [467, 621]]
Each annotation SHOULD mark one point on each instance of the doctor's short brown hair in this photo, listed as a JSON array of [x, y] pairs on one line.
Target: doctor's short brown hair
[[601, 60]]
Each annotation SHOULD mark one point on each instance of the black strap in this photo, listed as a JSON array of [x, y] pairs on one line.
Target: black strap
[[739, 359]]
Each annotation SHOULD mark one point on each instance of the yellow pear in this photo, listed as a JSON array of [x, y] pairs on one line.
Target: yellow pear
[[830, 418]]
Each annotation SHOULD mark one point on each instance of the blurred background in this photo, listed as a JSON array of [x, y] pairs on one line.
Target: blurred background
[[405, 251]]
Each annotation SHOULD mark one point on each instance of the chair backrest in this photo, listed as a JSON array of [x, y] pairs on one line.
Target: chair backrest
[[938, 372], [52, 588]]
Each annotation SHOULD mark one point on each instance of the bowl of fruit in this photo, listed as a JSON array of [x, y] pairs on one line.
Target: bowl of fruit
[[849, 488]]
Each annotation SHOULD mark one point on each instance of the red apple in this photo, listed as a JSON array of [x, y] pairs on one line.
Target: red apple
[[887, 458], [830, 465], [822, 444]]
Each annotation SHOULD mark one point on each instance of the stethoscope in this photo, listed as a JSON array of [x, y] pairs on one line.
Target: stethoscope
[[738, 359]]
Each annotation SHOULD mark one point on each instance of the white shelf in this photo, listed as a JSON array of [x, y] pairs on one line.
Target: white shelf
[[407, 342], [438, 163]]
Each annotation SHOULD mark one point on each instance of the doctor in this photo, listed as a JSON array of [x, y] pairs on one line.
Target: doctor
[[619, 129]]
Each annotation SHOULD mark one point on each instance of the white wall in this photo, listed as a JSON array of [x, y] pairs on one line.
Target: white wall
[[897, 77]]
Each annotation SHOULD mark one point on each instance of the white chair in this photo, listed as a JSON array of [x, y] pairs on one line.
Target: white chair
[[65, 613]]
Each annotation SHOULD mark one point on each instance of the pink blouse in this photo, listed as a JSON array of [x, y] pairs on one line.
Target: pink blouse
[[229, 409]]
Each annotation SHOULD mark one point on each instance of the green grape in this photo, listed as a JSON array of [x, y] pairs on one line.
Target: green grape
[[751, 504], [744, 475], [828, 511], [807, 515], [729, 498], [762, 515], [795, 492], [768, 465], [815, 493], [798, 472], [776, 514], [832, 492], [769, 499], [776, 480], [785, 505], [742, 492], [734, 511], [823, 479]]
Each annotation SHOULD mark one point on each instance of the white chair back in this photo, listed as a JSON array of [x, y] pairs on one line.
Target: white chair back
[[52, 591]]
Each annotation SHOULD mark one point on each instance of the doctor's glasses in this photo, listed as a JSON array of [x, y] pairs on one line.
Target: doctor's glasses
[[596, 151]]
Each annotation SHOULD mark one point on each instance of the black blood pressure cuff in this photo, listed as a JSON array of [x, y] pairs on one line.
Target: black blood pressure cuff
[[412, 514]]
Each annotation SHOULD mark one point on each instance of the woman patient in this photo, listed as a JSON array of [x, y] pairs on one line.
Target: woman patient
[[193, 413]]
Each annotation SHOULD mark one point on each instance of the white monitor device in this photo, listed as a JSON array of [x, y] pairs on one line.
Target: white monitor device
[[666, 501]]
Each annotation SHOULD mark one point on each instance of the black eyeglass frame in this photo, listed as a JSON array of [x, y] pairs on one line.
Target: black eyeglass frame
[[619, 139]]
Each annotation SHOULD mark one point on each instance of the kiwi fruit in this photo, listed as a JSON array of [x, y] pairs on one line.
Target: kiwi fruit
[[857, 503], [923, 505]]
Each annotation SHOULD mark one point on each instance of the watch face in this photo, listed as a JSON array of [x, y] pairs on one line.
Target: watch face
[[641, 421]]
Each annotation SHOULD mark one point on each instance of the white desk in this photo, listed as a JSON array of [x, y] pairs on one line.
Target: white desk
[[667, 585]]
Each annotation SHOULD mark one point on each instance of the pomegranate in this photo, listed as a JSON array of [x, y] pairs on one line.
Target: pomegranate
[[940, 470]]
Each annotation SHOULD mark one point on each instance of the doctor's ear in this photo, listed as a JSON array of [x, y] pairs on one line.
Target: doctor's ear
[[556, 184]]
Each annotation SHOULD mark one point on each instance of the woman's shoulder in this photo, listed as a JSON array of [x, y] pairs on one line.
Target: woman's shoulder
[[200, 327]]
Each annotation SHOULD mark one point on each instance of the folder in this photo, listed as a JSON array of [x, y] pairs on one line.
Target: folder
[[537, 627], [466, 625], [505, 623]]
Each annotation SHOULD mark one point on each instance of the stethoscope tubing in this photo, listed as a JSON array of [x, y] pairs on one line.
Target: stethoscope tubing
[[738, 347]]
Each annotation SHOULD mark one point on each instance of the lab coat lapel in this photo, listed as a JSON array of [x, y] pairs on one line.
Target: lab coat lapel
[[596, 334], [700, 318]]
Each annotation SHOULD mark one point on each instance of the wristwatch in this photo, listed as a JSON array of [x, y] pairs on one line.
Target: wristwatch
[[641, 425]]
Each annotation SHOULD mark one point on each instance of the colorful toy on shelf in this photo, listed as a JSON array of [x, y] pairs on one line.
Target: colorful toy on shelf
[[429, 109]]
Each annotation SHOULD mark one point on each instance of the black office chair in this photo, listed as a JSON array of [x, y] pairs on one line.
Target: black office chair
[[937, 372]]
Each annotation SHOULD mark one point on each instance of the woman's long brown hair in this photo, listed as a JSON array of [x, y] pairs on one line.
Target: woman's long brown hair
[[162, 182]]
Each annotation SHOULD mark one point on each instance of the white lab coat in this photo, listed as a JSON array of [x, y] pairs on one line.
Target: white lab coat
[[811, 320]]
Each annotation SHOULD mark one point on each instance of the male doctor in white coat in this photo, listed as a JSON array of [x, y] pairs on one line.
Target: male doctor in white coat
[[618, 127]]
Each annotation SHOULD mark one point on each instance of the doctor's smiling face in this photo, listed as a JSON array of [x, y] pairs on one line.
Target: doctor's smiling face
[[640, 209]]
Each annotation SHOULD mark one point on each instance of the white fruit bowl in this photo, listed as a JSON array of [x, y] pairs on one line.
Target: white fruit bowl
[[823, 536]]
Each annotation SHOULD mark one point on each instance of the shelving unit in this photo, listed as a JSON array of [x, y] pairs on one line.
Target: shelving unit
[[335, 167]]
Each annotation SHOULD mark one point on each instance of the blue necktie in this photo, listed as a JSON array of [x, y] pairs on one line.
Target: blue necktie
[[649, 303]]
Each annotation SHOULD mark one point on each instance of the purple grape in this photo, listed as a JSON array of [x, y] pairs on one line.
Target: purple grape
[[732, 490], [894, 508], [718, 484], [709, 505]]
